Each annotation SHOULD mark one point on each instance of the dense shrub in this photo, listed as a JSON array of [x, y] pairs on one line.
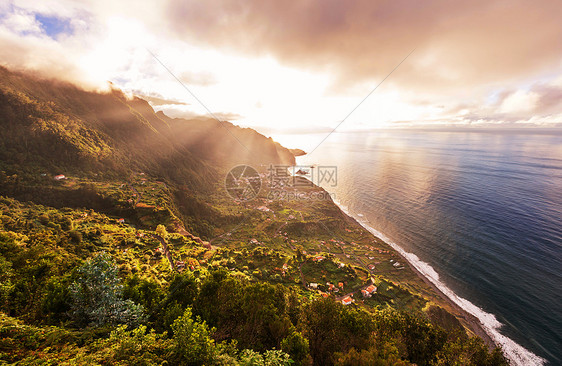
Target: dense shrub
[[97, 295]]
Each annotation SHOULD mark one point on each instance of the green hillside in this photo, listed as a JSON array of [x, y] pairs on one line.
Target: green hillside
[[140, 257]]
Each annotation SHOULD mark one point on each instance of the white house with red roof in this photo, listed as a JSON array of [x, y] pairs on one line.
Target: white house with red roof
[[347, 300], [369, 291]]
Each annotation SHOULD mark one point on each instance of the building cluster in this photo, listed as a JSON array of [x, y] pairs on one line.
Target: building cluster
[[369, 291]]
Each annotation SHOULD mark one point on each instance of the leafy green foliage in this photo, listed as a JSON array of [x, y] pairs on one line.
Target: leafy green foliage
[[331, 328], [242, 301], [193, 344], [297, 346], [6, 285], [97, 295], [224, 300], [268, 358]]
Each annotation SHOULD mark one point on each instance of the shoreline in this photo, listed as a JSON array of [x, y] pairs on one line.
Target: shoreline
[[467, 319], [489, 333], [479, 322]]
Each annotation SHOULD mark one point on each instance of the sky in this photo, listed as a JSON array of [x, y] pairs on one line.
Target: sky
[[305, 66]]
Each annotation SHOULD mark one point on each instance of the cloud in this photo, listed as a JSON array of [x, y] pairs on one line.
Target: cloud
[[549, 98], [157, 100], [21, 22], [519, 102], [306, 62], [202, 78], [41, 55], [179, 111], [540, 99], [459, 44]]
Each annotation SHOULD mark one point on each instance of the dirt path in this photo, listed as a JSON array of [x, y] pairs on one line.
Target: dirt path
[[302, 276], [136, 192], [166, 251]]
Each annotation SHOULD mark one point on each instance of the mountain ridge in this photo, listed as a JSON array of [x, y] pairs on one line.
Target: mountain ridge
[[192, 276]]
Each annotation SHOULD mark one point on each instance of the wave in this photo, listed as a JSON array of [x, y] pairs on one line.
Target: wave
[[517, 354]]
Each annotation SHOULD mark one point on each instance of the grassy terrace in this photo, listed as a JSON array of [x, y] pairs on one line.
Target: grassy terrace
[[274, 240]]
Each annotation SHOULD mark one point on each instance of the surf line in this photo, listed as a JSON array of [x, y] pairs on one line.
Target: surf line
[[517, 354]]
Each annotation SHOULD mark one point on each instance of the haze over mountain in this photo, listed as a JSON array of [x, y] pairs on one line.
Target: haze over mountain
[[306, 65], [56, 126]]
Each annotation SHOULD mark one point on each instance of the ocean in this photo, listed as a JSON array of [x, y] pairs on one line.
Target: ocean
[[479, 213]]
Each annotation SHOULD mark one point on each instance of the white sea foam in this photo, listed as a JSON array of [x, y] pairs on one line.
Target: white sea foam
[[517, 354]]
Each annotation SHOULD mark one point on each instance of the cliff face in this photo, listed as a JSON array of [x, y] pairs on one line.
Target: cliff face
[[225, 143], [57, 126]]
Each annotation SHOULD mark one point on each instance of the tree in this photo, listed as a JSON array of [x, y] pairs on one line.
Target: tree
[[97, 295], [161, 231], [193, 344], [272, 357], [136, 347], [296, 345], [332, 328], [6, 285]]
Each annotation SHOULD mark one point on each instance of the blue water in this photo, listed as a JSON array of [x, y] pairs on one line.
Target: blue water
[[483, 210]]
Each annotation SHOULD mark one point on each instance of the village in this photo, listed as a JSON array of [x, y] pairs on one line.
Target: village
[[346, 266]]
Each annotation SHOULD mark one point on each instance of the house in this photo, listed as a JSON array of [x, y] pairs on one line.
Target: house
[[121, 221], [371, 266], [340, 284], [59, 177], [347, 300], [318, 258], [397, 264], [369, 291], [313, 285], [341, 265]]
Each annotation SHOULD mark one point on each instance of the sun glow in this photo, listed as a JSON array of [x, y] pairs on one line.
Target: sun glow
[[255, 92]]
